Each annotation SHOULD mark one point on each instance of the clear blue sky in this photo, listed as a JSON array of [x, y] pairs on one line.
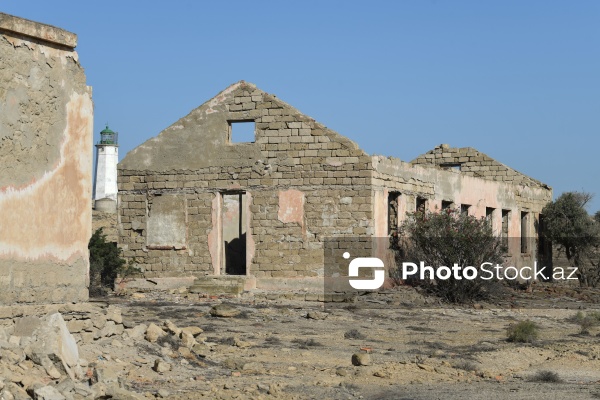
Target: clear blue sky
[[518, 80]]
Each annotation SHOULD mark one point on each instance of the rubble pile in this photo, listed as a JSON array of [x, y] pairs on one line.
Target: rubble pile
[[73, 353]]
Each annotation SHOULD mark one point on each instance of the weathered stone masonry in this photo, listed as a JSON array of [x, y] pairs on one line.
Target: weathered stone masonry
[[295, 163], [45, 158], [186, 193], [471, 162]]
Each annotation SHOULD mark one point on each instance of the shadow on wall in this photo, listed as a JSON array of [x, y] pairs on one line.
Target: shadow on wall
[[235, 256]]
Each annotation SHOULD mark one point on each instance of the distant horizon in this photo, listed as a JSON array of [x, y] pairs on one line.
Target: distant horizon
[[517, 81]]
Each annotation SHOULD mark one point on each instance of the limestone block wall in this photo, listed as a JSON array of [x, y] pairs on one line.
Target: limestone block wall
[[471, 162], [302, 182], [45, 162], [108, 222]]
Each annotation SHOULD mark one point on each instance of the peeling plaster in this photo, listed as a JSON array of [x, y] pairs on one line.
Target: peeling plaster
[[217, 100], [51, 217], [214, 235], [250, 244], [291, 208]]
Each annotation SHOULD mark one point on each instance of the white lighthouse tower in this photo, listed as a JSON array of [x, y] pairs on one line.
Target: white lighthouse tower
[[107, 157]]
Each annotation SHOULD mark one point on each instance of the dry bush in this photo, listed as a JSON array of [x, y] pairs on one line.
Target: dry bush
[[546, 377], [273, 340], [305, 344], [465, 365], [354, 334], [522, 332]]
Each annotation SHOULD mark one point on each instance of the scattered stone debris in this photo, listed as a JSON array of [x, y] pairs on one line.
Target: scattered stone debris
[[224, 311], [360, 359], [161, 366], [42, 360], [166, 348], [153, 333], [40, 356], [316, 315]]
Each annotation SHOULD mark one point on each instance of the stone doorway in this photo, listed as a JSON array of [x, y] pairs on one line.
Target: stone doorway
[[233, 224]]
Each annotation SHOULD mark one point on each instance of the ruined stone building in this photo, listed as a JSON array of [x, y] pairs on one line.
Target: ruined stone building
[[45, 163], [206, 198]]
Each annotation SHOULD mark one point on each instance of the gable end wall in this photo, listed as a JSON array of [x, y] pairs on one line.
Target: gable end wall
[[292, 153]]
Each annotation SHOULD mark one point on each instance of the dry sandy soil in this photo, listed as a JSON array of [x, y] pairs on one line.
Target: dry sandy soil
[[281, 348], [299, 350]]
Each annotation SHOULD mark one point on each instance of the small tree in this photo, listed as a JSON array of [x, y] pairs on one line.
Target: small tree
[[105, 262], [449, 237], [574, 231]]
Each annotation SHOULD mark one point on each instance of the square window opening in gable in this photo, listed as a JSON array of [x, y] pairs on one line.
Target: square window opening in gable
[[242, 131]]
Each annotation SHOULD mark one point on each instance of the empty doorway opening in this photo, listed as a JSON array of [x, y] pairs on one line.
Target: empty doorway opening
[[234, 223]]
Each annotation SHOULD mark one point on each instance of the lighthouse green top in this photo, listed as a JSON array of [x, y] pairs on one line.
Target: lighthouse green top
[[106, 130], [107, 136]]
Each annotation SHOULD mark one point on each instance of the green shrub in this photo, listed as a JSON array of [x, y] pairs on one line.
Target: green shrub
[[568, 226], [595, 315], [522, 332], [106, 263], [442, 239], [587, 321]]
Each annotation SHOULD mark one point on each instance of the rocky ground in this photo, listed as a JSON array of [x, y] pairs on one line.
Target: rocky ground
[[396, 345]]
